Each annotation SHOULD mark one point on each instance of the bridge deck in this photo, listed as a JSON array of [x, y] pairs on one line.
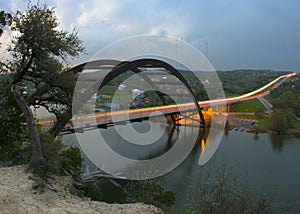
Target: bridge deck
[[108, 118]]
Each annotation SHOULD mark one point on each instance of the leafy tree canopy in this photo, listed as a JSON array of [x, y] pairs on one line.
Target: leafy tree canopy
[[5, 20], [40, 55]]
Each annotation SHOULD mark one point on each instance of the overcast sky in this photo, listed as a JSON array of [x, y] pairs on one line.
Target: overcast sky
[[259, 34]]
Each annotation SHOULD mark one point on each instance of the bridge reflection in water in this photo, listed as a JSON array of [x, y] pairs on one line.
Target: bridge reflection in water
[[187, 130]]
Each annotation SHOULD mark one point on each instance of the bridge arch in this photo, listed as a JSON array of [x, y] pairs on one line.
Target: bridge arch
[[117, 68]]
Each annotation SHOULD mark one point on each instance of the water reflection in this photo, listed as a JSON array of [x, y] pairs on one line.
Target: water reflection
[[256, 137], [277, 142], [143, 151], [251, 158], [109, 150], [248, 157]]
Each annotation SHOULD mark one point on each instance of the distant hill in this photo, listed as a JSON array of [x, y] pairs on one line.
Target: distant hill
[[240, 81], [237, 82]]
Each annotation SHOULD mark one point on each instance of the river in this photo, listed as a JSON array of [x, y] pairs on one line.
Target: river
[[266, 162]]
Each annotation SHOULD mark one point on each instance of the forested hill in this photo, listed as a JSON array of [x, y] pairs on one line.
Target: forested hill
[[236, 82]]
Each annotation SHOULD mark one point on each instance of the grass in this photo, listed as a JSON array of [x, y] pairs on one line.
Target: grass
[[246, 116], [253, 105], [263, 124]]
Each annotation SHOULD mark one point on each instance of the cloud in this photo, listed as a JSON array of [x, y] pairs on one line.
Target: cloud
[[249, 33], [100, 23], [93, 12]]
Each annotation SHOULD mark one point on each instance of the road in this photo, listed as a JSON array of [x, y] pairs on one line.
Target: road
[[267, 105], [126, 115]]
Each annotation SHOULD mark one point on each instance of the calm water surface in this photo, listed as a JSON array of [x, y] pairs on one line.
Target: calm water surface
[[269, 163]]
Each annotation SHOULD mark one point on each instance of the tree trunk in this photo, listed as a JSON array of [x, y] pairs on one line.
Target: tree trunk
[[67, 115], [37, 157], [60, 124]]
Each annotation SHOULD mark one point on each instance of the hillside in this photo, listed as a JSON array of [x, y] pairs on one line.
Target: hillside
[[17, 196]]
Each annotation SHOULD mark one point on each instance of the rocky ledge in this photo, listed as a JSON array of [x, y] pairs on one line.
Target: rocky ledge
[[17, 196]]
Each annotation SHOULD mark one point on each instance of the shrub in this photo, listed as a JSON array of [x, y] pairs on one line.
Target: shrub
[[92, 191], [13, 134], [71, 160], [223, 194], [59, 159], [151, 192]]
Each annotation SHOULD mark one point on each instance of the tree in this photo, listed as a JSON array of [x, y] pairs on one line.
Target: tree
[[40, 54], [11, 132], [279, 122], [5, 20], [13, 136]]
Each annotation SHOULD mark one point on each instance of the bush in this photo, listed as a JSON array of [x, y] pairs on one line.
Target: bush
[[151, 192], [71, 160], [223, 194], [92, 191], [13, 134], [59, 159]]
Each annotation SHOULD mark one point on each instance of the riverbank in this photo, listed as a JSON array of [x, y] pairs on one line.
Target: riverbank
[[17, 196], [259, 124]]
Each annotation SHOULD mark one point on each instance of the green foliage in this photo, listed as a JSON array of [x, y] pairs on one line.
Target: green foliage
[[221, 193], [92, 191], [59, 159], [39, 53], [72, 160], [43, 36], [75, 190], [13, 134], [5, 19], [258, 129], [51, 149], [279, 122], [239, 82], [286, 102], [151, 192], [263, 124], [287, 96]]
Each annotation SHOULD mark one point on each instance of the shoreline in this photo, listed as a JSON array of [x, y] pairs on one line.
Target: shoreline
[[247, 124]]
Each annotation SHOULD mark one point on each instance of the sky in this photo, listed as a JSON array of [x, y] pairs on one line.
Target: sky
[[240, 34]]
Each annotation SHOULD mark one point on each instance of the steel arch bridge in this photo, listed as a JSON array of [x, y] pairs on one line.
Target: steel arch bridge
[[136, 66]]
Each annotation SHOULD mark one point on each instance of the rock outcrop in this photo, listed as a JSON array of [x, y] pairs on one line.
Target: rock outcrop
[[17, 196]]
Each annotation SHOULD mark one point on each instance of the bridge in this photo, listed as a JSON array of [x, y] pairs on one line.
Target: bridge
[[172, 112]]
